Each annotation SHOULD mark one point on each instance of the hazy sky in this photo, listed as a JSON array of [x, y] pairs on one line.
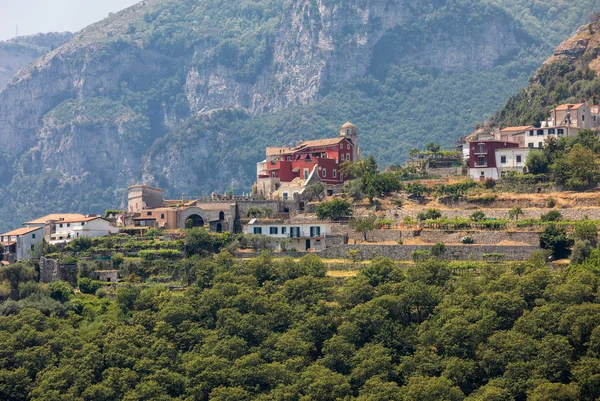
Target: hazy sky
[[35, 16]]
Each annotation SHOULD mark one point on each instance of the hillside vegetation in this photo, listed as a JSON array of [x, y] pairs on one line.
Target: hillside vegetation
[[268, 329], [571, 75], [186, 94]]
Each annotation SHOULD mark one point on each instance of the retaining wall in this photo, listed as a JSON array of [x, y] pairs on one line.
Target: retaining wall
[[453, 252], [593, 213]]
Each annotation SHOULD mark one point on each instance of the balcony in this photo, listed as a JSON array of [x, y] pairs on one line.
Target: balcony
[[480, 151], [480, 165]]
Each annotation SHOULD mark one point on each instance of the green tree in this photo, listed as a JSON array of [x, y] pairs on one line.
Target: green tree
[[537, 162], [515, 213], [577, 170], [60, 291], [581, 251], [478, 216], [364, 225], [334, 210], [553, 215], [554, 238], [16, 274], [586, 231]]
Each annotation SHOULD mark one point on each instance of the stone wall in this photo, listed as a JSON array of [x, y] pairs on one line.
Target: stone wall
[[453, 252], [52, 270], [480, 237], [593, 213], [445, 171]]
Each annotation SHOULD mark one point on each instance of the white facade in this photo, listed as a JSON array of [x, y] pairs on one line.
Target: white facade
[[288, 230], [511, 159], [67, 231], [19, 243], [536, 137], [483, 173]]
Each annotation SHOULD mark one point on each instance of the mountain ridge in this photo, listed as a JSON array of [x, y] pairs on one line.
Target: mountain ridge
[[187, 94]]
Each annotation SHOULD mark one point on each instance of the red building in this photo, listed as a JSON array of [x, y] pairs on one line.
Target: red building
[[321, 156], [482, 158]]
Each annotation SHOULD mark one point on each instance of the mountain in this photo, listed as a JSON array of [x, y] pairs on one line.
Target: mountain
[[19, 52], [570, 75], [185, 94]]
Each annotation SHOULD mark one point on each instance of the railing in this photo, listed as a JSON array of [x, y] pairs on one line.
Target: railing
[[481, 152], [481, 164]]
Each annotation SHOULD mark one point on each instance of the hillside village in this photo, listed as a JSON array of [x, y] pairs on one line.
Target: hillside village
[[320, 196]]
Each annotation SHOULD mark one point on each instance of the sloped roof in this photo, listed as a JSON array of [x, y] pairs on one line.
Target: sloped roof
[[321, 142], [56, 216], [564, 107], [81, 220], [21, 231], [519, 128]]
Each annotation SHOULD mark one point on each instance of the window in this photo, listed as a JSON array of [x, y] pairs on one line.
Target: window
[[285, 196], [315, 231], [334, 173], [148, 213], [273, 230], [583, 118], [518, 158], [531, 133], [561, 131], [540, 132], [68, 224], [60, 225], [503, 159], [283, 230], [347, 132], [540, 144], [347, 156], [342, 156], [295, 232], [551, 131], [305, 173], [33, 236], [162, 215], [324, 172], [257, 230], [594, 118]]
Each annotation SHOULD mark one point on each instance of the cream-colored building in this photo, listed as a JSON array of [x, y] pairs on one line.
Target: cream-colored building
[[511, 159], [577, 115]]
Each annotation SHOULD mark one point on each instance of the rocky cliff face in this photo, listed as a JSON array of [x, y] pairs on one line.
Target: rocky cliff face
[[154, 94], [19, 52]]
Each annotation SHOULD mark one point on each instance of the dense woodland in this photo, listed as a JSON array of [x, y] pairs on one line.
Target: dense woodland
[[268, 329]]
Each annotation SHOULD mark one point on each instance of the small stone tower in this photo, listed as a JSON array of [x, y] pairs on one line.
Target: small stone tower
[[349, 131]]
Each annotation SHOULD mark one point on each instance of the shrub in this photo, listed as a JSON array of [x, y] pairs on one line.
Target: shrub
[[420, 256], [478, 216], [438, 249], [581, 251], [114, 212], [550, 202], [60, 291], [489, 183], [553, 215], [554, 238], [88, 286], [586, 231], [493, 257], [467, 240], [334, 210], [431, 214], [101, 293], [152, 254]]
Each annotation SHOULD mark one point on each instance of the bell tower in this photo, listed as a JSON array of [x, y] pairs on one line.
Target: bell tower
[[349, 131]]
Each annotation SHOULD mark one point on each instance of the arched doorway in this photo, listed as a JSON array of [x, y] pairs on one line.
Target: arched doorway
[[221, 216], [219, 227], [196, 221]]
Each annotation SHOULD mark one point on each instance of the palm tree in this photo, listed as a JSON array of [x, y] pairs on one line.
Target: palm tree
[[515, 212]]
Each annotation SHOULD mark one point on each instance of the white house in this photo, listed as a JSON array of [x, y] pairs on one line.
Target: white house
[[511, 159], [536, 137], [19, 243], [304, 236], [91, 227]]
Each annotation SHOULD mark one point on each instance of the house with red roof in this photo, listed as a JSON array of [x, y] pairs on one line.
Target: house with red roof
[[319, 158], [19, 243]]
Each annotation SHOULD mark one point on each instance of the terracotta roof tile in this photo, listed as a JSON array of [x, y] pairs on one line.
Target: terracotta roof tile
[[21, 231], [563, 107], [519, 128], [56, 216]]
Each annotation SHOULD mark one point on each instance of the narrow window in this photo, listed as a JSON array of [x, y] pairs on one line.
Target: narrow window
[[347, 156], [273, 230], [162, 215], [518, 158], [334, 173], [531, 133], [283, 230], [503, 159], [324, 173], [33, 236], [305, 173]]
